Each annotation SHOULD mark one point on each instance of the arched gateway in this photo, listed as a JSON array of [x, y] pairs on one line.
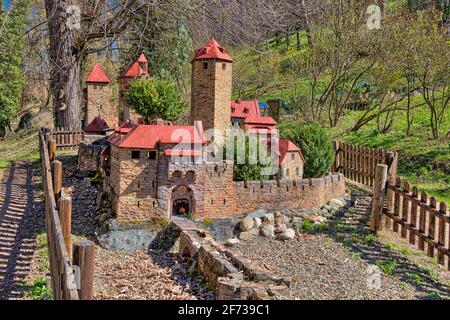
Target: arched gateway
[[182, 201]]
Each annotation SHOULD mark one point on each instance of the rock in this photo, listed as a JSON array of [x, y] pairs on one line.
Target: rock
[[281, 229], [281, 219], [327, 208], [258, 214], [289, 234], [269, 219], [258, 222], [296, 220], [336, 203], [268, 231], [224, 229], [319, 219], [232, 242], [249, 235], [247, 224]]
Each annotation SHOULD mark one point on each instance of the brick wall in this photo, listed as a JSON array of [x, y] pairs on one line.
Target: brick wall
[[211, 94], [285, 194], [98, 103], [134, 185]]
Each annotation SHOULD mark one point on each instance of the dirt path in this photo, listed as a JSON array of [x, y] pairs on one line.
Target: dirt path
[[17, 236]]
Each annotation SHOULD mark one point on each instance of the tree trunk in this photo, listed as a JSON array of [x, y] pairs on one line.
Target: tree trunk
[[65, 69], [307, 23], [299, 45]]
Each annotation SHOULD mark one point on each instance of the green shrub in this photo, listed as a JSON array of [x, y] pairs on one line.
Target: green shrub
[[315, 144], [155, 99], [387, 267], [250, 171], [38, 289]]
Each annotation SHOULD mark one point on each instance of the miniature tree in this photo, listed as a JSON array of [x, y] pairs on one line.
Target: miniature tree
[[315, 144], [155, 99]]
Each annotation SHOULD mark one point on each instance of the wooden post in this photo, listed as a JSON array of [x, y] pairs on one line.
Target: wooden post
[[65, 217], [379, 190], [57, 178], [52, 149], [336, 152], [83, 257]]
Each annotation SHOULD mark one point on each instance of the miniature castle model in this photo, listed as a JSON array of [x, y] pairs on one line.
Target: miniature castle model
[[145, 180]]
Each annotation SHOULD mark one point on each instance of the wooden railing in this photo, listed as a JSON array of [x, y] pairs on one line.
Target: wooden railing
[[358, 163], [71, 274], [66, 139], [421, 220]]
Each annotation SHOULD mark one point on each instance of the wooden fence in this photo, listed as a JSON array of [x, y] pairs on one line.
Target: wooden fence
[[71, 274], [66, 139], [358, 163], [421, 220]]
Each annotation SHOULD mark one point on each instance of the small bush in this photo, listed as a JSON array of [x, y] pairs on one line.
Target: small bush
[[315, 144], [38, 289], [388, 267]]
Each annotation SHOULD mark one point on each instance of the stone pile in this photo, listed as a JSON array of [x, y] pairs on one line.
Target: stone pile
[[281, 225]]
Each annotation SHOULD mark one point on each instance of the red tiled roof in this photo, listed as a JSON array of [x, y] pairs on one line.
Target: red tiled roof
[[98, 125], [149, 136], [97, 75], [250, 112], [134, 71], [212, 50], [287, 146], [142, 58]]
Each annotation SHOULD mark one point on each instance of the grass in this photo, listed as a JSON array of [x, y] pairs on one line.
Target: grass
[[388, 266], [309, 226], [38, 289], [423, 161], [23, 145]]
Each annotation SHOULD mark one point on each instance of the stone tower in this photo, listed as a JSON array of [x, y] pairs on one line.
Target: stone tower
[[212, 69], [97, 97]]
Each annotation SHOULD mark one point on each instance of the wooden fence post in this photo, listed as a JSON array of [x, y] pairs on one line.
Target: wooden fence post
[[57, 178], [391, 162], [379, 190], [83, 257], [337, 164], [65, 217], [52, 149]]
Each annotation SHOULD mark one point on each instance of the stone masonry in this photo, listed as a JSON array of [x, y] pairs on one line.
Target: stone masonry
[[211, 93], [98, 103]]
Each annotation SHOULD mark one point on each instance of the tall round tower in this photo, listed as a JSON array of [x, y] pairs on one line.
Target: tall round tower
[[212, 69]]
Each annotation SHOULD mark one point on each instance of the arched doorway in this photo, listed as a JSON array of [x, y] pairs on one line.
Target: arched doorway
[[182, 201]]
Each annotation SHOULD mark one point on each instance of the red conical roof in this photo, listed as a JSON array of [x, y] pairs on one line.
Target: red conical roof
[[142, 58], [212, 50], [98, 125], [134, 71], [97, 75]]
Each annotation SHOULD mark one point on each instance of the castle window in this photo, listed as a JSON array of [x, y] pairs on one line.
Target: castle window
[[224, 201], [139, 185], [139, 204], [152, 155], [153, 184], [299, 171], [293, 156], [205, 65], [224, 66], [246, 110], [135, 155]]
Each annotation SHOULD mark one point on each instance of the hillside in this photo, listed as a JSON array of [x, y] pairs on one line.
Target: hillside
[[424, 160]]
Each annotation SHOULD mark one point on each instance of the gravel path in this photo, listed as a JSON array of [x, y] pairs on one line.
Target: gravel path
[[18, 229], [339, 264]]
